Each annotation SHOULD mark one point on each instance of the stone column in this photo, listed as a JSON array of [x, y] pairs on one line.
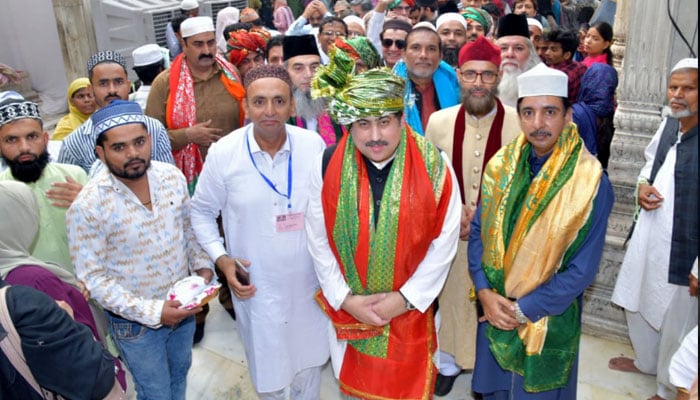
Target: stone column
[[76, 34], [644, 36]]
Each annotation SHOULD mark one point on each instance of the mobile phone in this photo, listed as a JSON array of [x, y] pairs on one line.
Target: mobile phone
[[242, 273]]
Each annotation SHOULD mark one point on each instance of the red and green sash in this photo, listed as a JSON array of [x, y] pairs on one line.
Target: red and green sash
[[394, 361]]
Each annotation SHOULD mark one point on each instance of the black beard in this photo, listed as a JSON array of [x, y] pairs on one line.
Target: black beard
[[28, 172], [450, 56]]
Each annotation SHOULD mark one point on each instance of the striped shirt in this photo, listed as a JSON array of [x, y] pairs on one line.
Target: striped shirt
[[127, 255], [78, 148]]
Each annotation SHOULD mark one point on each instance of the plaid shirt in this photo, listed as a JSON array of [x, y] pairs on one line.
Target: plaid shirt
[[574, 70]]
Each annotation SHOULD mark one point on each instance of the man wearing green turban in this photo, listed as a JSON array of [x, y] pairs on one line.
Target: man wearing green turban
[[479, 22], [382, 225]]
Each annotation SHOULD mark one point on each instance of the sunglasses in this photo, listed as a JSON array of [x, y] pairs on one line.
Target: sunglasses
[[400, 43]]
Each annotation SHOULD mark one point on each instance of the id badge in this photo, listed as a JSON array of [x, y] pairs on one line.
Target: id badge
[[289, 222]]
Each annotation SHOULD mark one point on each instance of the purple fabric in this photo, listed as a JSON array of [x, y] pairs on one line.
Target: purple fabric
[[598, 89], [585, 120]]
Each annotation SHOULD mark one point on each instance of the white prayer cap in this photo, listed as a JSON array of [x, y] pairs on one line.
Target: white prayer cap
[[146, 55], [542, 81], [534, 22], [686, 63], [354, 19], [425, 24], [189, 5], [194, 25], [451, 17]]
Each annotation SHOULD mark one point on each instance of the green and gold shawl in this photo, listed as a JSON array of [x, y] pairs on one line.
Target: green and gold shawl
[[530, 230]]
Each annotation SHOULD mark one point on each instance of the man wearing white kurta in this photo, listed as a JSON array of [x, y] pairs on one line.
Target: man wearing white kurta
[[652, 282], [258, 178]]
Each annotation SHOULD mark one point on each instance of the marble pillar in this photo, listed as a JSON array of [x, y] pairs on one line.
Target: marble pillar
[[77, 35], [646, 47]]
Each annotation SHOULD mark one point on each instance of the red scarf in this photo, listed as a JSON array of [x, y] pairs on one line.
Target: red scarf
[[493, 144], [181, 111]]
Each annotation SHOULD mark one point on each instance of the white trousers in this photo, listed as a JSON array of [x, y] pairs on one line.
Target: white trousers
[[305, 386]]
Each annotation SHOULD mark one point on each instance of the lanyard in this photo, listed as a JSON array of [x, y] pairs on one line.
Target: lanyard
[[267, 180]]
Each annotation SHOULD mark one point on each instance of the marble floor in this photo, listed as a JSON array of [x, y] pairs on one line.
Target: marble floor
[[219, 369]]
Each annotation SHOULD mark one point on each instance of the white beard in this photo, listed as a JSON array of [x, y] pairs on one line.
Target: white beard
[[306, 107], [508, 87]]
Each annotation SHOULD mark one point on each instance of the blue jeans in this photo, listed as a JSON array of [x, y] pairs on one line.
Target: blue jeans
[[157, 358]]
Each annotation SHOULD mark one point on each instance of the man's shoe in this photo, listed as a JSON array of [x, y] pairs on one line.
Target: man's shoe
[[443, 384], [198, 333]]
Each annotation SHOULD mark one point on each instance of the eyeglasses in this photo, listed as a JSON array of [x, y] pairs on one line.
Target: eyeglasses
[[486, 76], [400, 43], [332, 33]]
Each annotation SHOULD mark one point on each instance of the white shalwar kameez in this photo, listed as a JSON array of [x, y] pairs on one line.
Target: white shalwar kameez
[[283, 330]]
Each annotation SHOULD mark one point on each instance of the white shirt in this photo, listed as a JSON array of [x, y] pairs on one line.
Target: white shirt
[[642, 284], [420, 289], [281, 326]]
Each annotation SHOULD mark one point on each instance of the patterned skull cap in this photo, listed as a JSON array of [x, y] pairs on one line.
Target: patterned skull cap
[[105, 56], [13, 107], [117, 113], [267, 71]]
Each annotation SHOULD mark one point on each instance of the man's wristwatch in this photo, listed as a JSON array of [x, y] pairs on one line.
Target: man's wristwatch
[[519, 316], [409, 306]]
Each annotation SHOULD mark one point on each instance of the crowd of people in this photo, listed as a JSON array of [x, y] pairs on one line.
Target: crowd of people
[[281, 151]]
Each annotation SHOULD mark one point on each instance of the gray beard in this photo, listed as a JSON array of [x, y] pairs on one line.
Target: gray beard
[[508, 88], [306, 107], [476, 106]]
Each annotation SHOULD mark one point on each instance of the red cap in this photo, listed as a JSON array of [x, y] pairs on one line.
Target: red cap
[[480, 50]]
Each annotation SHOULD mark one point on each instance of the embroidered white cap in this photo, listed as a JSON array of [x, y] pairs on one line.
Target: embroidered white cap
[[146, 55], [542, 81], [451, 17], [189, 5], [685, 63], [194, 25]]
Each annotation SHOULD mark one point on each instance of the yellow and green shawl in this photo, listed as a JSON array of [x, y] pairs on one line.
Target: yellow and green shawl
[[530, 229]]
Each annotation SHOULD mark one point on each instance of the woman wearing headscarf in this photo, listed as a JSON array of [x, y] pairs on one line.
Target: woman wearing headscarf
[[19, 224], [81, 104]]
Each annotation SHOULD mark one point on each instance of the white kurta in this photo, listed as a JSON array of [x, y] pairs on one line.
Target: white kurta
[[282, 328], [420, 289], [642, 284]]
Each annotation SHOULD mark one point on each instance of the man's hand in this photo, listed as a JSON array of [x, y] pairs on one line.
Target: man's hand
[[390, 306], [693, 286], [202, 135], [63, 193], [172, 315], [205, 273], [648, 197], [465, 222], [227, 265], [362, 308], [498, 311], [382, 5]]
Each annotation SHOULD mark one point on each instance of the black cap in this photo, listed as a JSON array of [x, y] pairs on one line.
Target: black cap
[[513, 25], [299, 45]]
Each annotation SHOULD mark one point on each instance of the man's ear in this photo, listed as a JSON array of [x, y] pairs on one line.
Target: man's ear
[[567, 55], [100, 152]]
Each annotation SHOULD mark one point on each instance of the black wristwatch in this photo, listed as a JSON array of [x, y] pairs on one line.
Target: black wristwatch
[[409, 306]]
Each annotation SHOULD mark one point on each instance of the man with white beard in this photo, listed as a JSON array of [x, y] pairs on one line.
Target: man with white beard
[[301, 58], [517, 55], [654, 275]]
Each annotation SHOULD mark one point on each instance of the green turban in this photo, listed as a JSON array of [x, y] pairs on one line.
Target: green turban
[[480, 16], [350, 96]]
